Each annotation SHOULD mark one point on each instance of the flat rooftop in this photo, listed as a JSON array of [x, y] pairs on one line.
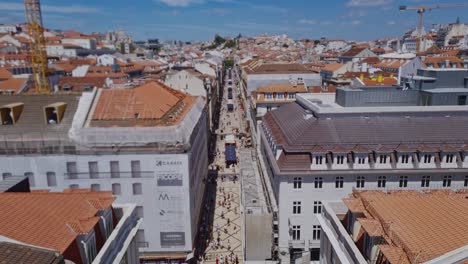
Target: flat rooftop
[[325, 105]]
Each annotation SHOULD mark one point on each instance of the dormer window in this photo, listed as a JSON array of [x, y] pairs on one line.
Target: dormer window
[[10, 113], [291, 95], [361, 160], [383, 159], [268, 96], [427, 158], [449, 158], [340, 159], [280, 96], [405, 158], [318, 160], [54, 113]]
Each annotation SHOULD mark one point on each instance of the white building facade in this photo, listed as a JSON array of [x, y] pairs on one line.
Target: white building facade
[[316, 151], [160, 169]]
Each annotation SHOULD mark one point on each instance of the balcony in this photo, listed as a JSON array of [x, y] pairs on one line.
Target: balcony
[[314, 244], [297, 244], [109, 175]]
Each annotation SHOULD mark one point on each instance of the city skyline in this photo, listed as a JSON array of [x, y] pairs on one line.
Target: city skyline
[[199, 20]]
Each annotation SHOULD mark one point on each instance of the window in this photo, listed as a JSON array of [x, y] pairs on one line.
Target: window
[[316, 232], [95, 187], [136, 169], [72, 171], [427, 158], [449, 158], [140, 238], [6, 175], [318, 182], [339, 182], [405, 158], [462, 100], [51, 179], [318, 160], [403, 181], [297, 182], [360, 181], [291, 95], [116, 189], [383, 159], [297, 207], [296, 232], [340, 159], [139, 211], [381, 181], [91, 250], [425, 181], [137, 189], [74, 186], [361, 160], [447, 181], [268, 95], [30, 176], [466, 181], [114, 169], [317, 207], [280, 96], [93, 169]]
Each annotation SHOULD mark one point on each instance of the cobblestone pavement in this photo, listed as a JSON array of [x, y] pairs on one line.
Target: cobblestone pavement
[[222, 241]]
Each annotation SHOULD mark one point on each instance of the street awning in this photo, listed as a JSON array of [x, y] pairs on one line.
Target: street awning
[[231, 153]]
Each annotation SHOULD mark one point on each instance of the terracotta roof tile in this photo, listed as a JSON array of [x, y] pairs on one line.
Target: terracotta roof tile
[[424, 225], [282, 88], [49, 220], [152, 101], [13, 84], [5, 74]]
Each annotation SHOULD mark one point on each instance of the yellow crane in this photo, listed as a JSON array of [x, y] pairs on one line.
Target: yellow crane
[[37, 45], [421, 10]]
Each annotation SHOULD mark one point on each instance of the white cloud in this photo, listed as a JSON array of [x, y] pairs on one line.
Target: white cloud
[[51, 8], [307, 22], [180, 3], [361, 3], [355, 22]]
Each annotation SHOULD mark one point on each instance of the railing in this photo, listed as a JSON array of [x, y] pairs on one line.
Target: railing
[[142, 244], [314, 244], [297, 243], [108, 175]]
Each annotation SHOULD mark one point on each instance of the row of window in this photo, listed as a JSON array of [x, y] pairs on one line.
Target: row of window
[[381, 182], [72, 170], [383, 159], [297, 207], [137, 188], [280, 95], [296, 232]]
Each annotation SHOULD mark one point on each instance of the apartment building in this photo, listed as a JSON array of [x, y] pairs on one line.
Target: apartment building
[[395, 227], [262, 74], [270, 97], [80, 226], [148, 145], [317, 149]]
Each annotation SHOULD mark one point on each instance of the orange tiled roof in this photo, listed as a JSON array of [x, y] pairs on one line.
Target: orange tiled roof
[[13, 84], [50, 220], [5, 74], [424, 225], [151, 101], [333, 66]]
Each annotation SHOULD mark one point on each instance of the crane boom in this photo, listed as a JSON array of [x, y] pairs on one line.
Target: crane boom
[[421, 10], [37, 45]]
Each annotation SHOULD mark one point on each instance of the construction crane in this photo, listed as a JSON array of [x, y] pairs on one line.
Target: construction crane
[[421, 10], [37, 45]]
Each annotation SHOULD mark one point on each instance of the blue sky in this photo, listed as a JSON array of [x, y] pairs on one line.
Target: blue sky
[[201, 19]]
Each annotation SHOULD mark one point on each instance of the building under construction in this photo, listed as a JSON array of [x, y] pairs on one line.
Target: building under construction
[[116, 140]]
